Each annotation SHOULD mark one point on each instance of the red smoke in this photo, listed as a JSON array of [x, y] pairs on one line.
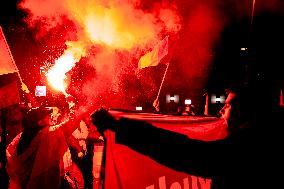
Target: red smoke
[[104, 31], [114, 33]]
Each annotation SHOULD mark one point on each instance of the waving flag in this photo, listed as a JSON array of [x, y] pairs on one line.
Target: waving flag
[[127, 166], [154, 57], [9, 94], [7, 64]]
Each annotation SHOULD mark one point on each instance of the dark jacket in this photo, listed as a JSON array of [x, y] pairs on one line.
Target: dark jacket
[[248, 158]]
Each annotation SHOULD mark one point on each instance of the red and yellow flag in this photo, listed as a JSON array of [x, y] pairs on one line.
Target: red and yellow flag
[[154, 57], [7, 64]]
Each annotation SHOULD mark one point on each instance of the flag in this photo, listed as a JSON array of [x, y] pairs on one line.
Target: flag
[[9, 92], [7, 64], [154, 57]]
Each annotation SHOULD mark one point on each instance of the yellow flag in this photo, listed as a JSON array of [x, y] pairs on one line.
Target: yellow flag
[[154, 57], [7, 64]]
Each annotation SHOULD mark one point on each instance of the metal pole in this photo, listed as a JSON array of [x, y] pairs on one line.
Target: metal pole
[[156, 101], [163, 80]]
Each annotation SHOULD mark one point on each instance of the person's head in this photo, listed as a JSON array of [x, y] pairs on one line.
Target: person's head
[[38, 117], [238, 107], [225, 112]]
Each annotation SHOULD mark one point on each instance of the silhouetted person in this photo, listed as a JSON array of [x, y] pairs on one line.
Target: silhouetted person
[[249, 157], [39, 157]]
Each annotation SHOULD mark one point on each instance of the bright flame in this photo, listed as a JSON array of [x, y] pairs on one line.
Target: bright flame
[[100, 29], [118, 26], [57, 74], [113, 32]]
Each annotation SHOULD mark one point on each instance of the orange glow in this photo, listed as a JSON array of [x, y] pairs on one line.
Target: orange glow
[[114, 33], [118, 26], [100, 29]]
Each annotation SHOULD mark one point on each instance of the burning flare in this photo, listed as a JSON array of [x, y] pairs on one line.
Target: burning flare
[[113, 27], [57, 74]]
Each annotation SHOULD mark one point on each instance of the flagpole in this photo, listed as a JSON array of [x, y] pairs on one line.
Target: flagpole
[[23, 85], [156, 102], [163, 80]]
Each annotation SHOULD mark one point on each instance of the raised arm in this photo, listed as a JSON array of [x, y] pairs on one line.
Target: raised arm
[[73, 121], [172, 149]]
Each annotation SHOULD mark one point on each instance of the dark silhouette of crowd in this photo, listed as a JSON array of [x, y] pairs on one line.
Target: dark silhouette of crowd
[[249, 157], [48, 152]]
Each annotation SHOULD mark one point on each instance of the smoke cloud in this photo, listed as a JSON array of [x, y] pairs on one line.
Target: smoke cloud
[[115, 33]]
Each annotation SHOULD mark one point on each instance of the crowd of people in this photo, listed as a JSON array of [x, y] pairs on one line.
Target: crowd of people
[[249, 157], [51, 152], [54, 149]]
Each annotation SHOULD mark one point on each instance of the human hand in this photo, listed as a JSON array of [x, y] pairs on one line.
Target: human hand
[[103, 120], [156, 105], [101, 138], [80, 155]]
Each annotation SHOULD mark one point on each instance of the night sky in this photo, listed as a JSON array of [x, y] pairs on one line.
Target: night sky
[[207, 52]]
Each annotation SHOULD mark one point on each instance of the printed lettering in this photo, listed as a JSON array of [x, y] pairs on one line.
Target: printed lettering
[[175, 185], [196, 183], [150, 187], [204, 183], [162, 182], [185, 183]]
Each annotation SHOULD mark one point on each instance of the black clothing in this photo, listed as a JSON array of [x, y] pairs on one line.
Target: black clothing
[[248, 158]]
